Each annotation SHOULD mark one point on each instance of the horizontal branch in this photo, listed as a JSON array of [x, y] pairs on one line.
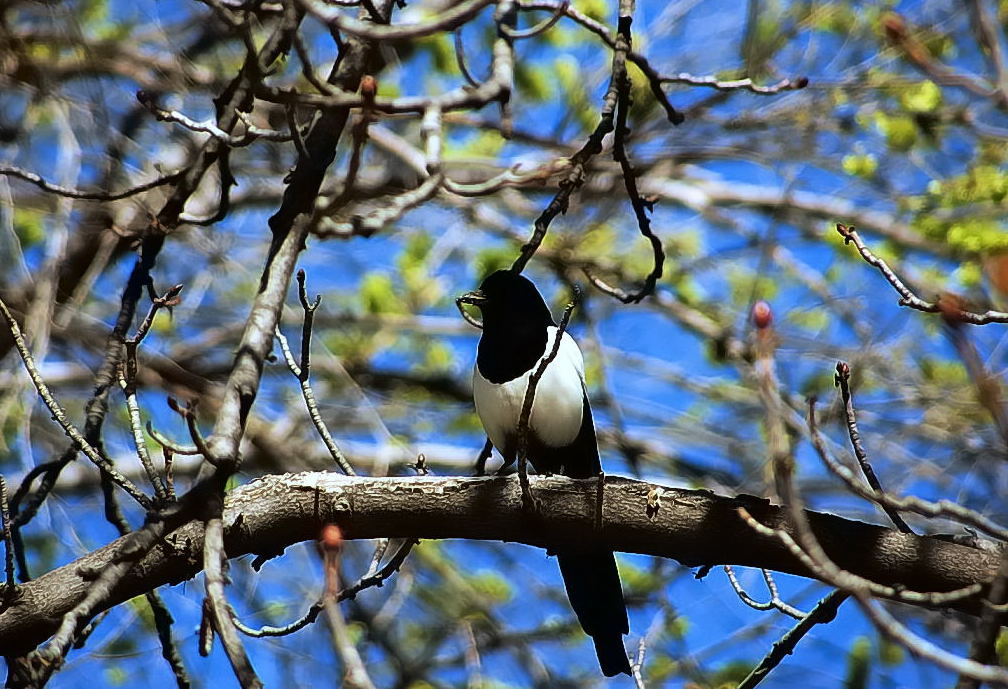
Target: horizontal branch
[[693, 527]]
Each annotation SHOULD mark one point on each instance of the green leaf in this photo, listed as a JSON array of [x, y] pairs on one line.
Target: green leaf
[[28, 226], [900, 131], [858, 664], [922, 97], [860, 165], [378, 295]]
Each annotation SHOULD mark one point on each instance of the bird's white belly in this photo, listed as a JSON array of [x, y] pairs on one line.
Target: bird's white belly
[[556, 409]]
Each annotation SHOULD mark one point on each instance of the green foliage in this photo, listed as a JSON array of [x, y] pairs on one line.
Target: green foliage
[[744, 284], [437, 357], [889, 653], [943, 373], [378, 295], [659, 668], [730, 674], [677, 627], [838, 19], [982, 185], [900, 131], [441, 51], [860, 164], [484, 144], [534, 81], [115, 675], [493, 259], [809, 319], [858, 664], [599, 10], [1001, 647], [28, 226], [922, 97], [143, 611], [969, 274], [491, 586], [572, 85]]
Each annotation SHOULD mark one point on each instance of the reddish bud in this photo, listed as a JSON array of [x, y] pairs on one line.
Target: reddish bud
[[331, 538], [762, 316], [894, 26], [368, 86]]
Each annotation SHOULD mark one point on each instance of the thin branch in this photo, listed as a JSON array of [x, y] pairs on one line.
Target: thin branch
[[736, 84], [169, 649], [446, 20], [942, 508], [824, 612], [775, 602], [131, 547], [41, 183], [907, 297], [541, 27], [59, 415], [640, 207], [529, 399], [842, 381], [302, 373], [460, 59], [10, 586], [250, 135], [214, 563]]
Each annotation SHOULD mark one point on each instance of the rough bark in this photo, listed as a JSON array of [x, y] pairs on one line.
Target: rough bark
[[693, 527]]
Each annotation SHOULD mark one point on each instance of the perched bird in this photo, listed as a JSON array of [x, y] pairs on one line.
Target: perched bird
[[518, 332]]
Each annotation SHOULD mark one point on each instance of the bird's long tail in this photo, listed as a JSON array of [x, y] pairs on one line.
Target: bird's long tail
[[595, 593]]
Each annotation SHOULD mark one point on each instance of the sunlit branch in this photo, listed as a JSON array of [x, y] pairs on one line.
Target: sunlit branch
[[251, 133], [61, 417], [843, 382], [907, 297], [446, 20], [41, 183]]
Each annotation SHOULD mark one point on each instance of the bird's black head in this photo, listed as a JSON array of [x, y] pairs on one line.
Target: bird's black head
[[509, 301]]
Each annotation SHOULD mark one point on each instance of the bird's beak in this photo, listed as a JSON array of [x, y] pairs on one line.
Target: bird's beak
[[476, 298]]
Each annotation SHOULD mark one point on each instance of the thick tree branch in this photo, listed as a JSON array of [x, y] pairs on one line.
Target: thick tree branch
[[694, 527]]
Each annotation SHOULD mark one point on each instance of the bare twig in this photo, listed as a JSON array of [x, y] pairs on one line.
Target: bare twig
[[736, 84], [907, 297], [775, 602], [10, 587], [542, 26], [61, 418], [250, 135], [41, 183], [302, 373], [529, 399], [169, 650], [823, 612], [446, 20], [214, 563], [640, 207], [842, 381], [942, 508]]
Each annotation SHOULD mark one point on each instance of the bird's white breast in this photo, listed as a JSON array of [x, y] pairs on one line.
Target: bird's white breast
[[557, 406]]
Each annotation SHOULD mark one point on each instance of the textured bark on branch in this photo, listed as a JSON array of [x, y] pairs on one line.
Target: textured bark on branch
[[693, 527]]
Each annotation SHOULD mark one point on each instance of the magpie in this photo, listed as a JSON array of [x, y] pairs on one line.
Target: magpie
[[518, 333]]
